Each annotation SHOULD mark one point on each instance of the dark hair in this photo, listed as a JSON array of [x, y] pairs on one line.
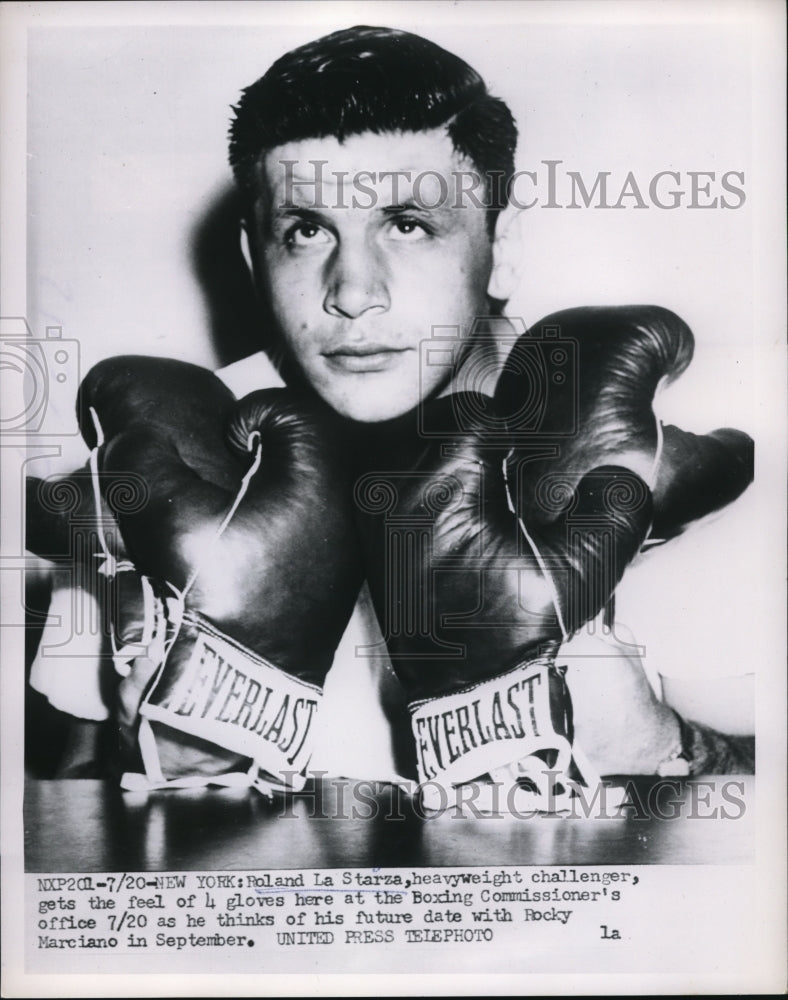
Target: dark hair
[[366, 79]]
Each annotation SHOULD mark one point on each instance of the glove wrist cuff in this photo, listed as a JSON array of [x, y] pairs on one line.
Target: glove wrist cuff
[[217, 690], [469, 733]]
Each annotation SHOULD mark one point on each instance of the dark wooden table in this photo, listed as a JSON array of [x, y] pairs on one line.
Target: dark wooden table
[[86, 826]]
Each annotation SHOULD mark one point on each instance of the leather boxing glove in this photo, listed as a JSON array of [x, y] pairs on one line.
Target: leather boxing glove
[[60, 512], [474, 602], [248, 538], [697, 475], [579, 388]]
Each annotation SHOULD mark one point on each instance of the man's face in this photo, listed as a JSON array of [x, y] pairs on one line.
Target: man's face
[[360, 267]]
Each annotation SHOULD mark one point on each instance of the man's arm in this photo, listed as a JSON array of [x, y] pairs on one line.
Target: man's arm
[[625, 729]]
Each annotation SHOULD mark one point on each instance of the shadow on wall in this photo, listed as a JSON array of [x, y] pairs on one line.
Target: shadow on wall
[[236, 320]]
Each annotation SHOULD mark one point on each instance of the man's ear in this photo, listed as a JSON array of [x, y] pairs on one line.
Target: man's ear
[[246, 248], [507, 253]]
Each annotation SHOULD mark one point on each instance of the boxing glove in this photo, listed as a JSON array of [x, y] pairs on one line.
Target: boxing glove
[[698, 475], [474, 602], [248, 538], [579, 388], [59, 512]]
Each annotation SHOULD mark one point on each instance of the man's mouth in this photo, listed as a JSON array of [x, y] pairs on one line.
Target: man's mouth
[[361, 358]]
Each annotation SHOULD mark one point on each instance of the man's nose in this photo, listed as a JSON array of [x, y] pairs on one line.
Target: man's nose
[[356, 282]]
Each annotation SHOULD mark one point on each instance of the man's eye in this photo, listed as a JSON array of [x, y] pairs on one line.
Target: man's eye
[[408, 229], [306, 234]]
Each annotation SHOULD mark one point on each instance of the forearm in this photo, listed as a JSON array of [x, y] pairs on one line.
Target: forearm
[[712, 752]]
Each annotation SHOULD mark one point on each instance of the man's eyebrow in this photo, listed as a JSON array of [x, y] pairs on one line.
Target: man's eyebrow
[[286, 211], [407, 207]]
